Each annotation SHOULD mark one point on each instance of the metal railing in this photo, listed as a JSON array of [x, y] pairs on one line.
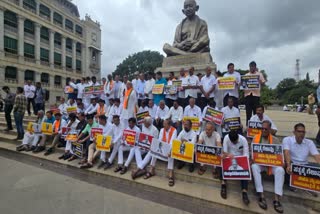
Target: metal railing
[[8, 80]]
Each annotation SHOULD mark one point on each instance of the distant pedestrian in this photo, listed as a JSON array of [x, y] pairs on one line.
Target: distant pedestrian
[[8, 106], [19, 108], [29, 92], [39, 98], [311, 102]]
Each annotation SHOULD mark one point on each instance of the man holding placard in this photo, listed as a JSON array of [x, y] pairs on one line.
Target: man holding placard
[[260, 117], [231, 119], [265, 137], [233, 93], [192, 110]]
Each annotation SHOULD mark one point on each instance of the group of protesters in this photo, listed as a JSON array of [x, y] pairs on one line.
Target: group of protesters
[[116, 108]]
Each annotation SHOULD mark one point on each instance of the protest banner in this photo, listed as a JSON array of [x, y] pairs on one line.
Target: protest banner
[[182, 151], [250, 82], [30, 127], [144, 141], [36, 128], [88, 90], [254, 128], [178, 84], [236, 168], [226, 83], [209, 155], [98, 89], [213, 115], [170, 89], [140, 117], [95, 131], [129, 137], [71, 109], [157, 89], [68, 90], [47, 129], [77, 149], [72, 135], [103, 143], [160, 150], [195, 123], [232, 124], [305, 177], [65, 131], [267, 154]]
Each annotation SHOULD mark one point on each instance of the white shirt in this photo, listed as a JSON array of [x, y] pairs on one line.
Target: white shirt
[[113, 110], [153, 111], [74, 124], [29, 91], [135, 84], [171, 96], [140, 89], [210, 141], [106, 129], [117, 132], [91, 109], [148, 88], [184, 82], [230, 113], [109, 89], [63, 109], [207, 84], [143, 109], [241, 148], [162, 113], [80, 87], [190, 136], [299, 152], [192, 81], [174, 135], [265, 117], [151, 130], [175, 114], [235, 91], [63, 123], [130, 111], [193, 112]]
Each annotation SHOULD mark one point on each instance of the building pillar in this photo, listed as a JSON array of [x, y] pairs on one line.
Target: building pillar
[[37, 77], [74, 55], [21, 37], [84, 61], [20, 3], [63, 52], [51, 48], [51, 16], [38, 7], [37, 43], [1, 31], [2, 72], [20, 76]]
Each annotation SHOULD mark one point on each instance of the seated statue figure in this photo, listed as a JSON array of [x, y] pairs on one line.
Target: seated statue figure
[[191, 34]]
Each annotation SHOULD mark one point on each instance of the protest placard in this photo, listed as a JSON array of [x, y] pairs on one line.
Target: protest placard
[[170, 89], [267, 154], [47, 129], [178, 84], [254, 128], [213, 115], [144, 141], [98, 89], [129, 137], [77, 149], [232, 124], [72, 135], [103, 143], [195, 123], [305, 177], [30, 127], [140, 117], [71, 109], [157, 89], [250, 82], [209, 155], [160, 150], [226, 83], [236, 168], [65, 131], [182, 151], [68, 90], [88, 90], [95, 131]]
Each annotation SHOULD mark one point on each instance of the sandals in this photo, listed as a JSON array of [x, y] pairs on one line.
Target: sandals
[[73, 157], [138, 173], [201, 170], [245, 198], [277, 206], [223, 192], [86, 166], [263, 203], [149, 175], [171, 181]]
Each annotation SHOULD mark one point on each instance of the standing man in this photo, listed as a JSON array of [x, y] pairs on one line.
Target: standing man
[[184, 82], [311, 102], [135, 81], [234, 94], [207, 86], [20, 104], [192, 86], [8, 106], [129, 105], [117, 87], [160, 80], [170, 98], [252, 97], [39, 98], [149, 85], [141, 85], [29, 92], [109, 89]]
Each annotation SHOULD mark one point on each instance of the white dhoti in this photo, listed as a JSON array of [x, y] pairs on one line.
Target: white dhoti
[[170, 162], [122, 149]]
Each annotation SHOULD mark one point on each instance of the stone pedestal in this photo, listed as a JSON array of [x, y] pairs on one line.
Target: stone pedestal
[[200, 61]]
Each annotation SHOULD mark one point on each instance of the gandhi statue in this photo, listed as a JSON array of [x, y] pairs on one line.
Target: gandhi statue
[[191, 34]]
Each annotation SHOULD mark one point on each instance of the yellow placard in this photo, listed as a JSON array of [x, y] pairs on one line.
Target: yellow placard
[[182, 151], [158, 89], [47, 129], [72, 109], [30, 127], [103, 143], [195, 123], [226, 83]]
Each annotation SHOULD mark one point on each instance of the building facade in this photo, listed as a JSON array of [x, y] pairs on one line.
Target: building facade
[[46, 41]]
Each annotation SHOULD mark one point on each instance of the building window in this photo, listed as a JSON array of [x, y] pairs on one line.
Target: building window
[[78, 65], [57, 80], [28, 50], [10, 45], [69, 44], [94, 56], [30, 5], [45, 11], [57, 18], [10, 19], [69, 25], [45, 78], [79, 30], [68, 62], [57, 39], [11, 73], [57, 58], [44, 55], [44, 33], [78, 48], [29, 75], [29, 26]]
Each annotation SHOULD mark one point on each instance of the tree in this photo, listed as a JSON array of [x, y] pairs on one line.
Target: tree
[[144, 62], [308, 77], [285, 85]]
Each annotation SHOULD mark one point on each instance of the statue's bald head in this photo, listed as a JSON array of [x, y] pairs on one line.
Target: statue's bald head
[[190, 8], [190, 2]]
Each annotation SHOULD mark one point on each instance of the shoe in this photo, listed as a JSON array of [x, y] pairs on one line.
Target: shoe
[[67, 156], [61, 157], [101, 164], [39, 149], [49, 151], [32, 148], [73, 157], [123, 170], [180, 165], [191, 168], [223, 192], [107, 166], [7, 129], [245, 198], [119, 168], [60, 145], [21, 148]]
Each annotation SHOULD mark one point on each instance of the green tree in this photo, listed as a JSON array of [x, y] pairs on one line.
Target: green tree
[[308, 77], [285, 85], [144, 62]]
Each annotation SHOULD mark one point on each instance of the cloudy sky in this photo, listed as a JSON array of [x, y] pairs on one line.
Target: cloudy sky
[[273, 33]]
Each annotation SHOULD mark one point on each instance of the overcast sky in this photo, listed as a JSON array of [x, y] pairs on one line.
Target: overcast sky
[[274, 33]]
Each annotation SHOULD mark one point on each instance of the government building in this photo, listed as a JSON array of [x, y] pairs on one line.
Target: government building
[[46, 41]]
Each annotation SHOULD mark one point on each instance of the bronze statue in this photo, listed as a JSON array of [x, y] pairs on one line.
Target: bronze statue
[[191, 34]]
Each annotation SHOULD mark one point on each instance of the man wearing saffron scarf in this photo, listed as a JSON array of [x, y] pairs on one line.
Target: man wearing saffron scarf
[[129, 104]]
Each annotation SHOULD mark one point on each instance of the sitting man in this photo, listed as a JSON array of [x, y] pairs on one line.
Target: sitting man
[[192, 110], [161, 113], [260, 117], [267, 138], [176, 115], [93, 107]]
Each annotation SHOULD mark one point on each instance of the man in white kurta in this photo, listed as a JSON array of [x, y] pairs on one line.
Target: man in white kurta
[[129, 105]]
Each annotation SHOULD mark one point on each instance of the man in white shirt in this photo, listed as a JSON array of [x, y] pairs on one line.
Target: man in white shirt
[[192, 85], [235, 145], [260, 117], [170, 98], [235, 92], [207, 87], [149, 85], [79, 87], [192, 110], [135, 81], [109, 89], [152, 108], [63, 107], [92, 109], [129, 104], [117, 87], [175, 114], [187, 135], [184, 83], [161, 114], [230, 112], [141, 85], [115, 109], [29, 92]]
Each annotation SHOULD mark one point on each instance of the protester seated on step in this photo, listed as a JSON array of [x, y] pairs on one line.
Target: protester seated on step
[[143, 107], [101, 110], [123, 147], [116, 133], [187, 135], [265, 137], [152, 108], [149, 129], [68, 154], [63, 108], [235, 145], [92, 108], [80, 108], [167, 134], [86, 137], [209, 137], [260, 116], [92, 152], [161, 114], [115, 109], [41, 146], [175, 114], [230, 111], [297, 149], [30, 139], [192, 110], [216, 127]]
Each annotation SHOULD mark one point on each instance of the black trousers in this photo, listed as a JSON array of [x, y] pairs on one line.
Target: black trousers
[[235, 100], [169, 102], [182, 102], [243, 183], [251, 104], [38, 107], [203, 102], [7, 112], [30, 101]]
